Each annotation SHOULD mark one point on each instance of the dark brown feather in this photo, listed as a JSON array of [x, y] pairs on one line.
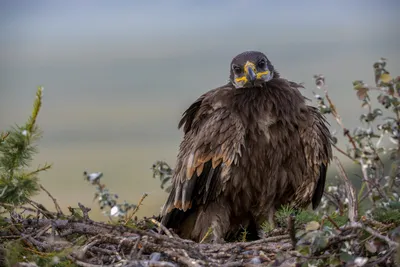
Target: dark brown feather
[[245, 153]]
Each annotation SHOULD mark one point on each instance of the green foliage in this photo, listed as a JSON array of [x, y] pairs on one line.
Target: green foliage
[[301, 217], [378, 202], [163, 172], [388, 214], [109, 202], [15, 251], [17, 147]]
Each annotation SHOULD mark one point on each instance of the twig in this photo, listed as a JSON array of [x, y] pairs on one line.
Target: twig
[[334, 241], [58, 208], [84, 211], [17, 207], [207, 234], [292, 230], [136, 208], [375, 233], [43, 254], [345, 154], [333, 222], [84, 264], [40, 169], [42, 209], [3, 136], [183, 259], [351, 195], [382, 259], [338, 119], [162, 227]]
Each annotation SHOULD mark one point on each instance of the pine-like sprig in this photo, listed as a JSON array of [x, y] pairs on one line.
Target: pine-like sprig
[[17, 148]]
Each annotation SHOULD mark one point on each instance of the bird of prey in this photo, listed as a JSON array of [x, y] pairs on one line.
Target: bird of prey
[[249, 147]]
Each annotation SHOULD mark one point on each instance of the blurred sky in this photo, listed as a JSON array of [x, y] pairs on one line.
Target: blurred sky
[[118, 74]]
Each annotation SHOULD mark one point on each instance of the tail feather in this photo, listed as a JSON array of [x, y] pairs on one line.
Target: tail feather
[[182, 222]]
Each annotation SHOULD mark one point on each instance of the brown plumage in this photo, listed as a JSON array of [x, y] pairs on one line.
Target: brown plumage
[[249, 147]]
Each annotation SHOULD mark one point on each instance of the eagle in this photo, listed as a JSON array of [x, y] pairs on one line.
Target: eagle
[[249, 147]]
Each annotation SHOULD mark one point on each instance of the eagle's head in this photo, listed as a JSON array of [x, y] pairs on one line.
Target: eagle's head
[[250, 69]]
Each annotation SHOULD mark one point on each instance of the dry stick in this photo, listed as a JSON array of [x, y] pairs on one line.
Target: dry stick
[[136, 208], [365, 175], [17, 206], [382, 259], [84, 264], [346, 132], [43, 230], [58, 208], [134, 251], [42, 209], [182, 259], [334, 241], [162, 227], [351, 194], [332, 222], [84, 211], [375, 233], [376, 223], [207, 234], [344, 153], [338, 118], [292, 230]]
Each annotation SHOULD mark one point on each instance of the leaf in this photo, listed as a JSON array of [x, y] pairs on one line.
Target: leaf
[[346, 257], [320, 242], [377, 112], [385, 77], [304, 250], [312, 226], [300, 233], [362, 93], [370, 247], [334, 261]]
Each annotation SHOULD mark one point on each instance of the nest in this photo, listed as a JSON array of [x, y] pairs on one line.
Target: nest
[[147, 243]]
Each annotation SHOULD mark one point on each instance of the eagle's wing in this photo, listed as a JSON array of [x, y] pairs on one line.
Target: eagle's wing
[[211, 144], [316, 140]]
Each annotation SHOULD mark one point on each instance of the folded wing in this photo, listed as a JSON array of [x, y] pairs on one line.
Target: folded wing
[[211, 144]]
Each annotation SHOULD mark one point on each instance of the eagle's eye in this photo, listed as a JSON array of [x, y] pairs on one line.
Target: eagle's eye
[[237, 70], [261, 64]]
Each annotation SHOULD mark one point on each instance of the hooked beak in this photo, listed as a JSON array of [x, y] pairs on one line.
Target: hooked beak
[[250, 70]]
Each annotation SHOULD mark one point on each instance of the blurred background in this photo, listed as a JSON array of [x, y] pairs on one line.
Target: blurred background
[[118, 75]]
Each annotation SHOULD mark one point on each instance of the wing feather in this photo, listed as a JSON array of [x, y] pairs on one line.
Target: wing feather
[[316, 140], [212, 141]]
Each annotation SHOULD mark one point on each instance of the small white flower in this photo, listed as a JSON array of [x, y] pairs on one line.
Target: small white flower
[[332, 188], [114, 211], [56, 260], [25, 132], [94, 177], [359, 261]]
